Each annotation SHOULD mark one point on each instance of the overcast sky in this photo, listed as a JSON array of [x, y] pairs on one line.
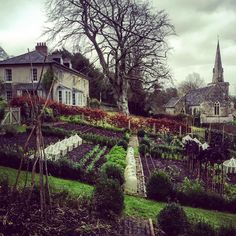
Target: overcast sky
[[197, 25]]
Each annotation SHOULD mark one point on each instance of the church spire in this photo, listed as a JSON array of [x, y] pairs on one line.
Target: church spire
[[218, 69]]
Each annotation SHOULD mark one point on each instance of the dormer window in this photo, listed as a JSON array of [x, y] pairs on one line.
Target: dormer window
[[217, 108], [8, 75]]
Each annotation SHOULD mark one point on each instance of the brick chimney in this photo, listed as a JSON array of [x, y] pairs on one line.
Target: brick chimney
[[42, 48]]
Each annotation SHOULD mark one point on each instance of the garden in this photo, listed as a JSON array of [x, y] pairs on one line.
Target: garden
[[92, 146]]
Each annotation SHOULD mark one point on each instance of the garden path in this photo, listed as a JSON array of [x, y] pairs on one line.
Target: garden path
[[136, 227], [140, 176]]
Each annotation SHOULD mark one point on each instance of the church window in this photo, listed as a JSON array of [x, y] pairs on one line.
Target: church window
[[217, 108]]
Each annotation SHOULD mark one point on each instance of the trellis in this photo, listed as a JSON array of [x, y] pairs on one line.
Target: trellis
[[12, 116]]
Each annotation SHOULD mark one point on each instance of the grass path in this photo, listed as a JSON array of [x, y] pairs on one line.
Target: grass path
[[134, 206]]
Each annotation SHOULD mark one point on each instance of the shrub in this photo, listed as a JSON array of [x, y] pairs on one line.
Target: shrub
[[141, 133], [123, 143], [113, 171], [4, 184], [227, 231], [202, 228], [108, 198], [146, 142], [172, 219], [94, 103], [143, 149], [159, 186]]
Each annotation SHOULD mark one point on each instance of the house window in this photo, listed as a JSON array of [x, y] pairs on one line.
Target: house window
[[73, 99], [69, 98], [217, 108], [60, 96], [9, 95], [66, 97], [8, 75], [80, 99], [34, 74]]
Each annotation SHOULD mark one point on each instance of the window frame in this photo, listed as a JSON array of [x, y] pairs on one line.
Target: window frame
[[216, 108], [7, 95], [60, 97], [7, 76], [73, 98], [33, 74]]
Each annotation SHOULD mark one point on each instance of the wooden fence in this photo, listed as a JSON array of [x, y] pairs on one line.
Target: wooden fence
[[12, 116]]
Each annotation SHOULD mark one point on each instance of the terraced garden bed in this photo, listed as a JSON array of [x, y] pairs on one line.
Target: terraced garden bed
[[90, 129], [19, 139]]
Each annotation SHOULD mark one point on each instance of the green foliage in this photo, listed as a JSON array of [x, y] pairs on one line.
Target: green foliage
[[123, 143], [117, 156], [145, 141], [143, 149], [48, 78], [108, 198], [191, 186], [141, 133], [94, 103], [159, 186], [90, 167], [3, 105], [172, 219], [202, 228], [227, 231], [113, 171]]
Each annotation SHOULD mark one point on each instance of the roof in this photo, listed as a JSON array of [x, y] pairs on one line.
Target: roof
[[172, 102], [36, 58], [197, 96]]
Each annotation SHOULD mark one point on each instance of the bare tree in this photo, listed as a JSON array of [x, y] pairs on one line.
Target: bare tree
[[126, 36], [192, 81]]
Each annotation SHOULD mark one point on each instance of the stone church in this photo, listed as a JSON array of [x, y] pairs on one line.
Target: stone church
[[212, 103]]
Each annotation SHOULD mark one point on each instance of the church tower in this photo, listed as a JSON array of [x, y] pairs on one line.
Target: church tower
[[218, 69], [218, 73]]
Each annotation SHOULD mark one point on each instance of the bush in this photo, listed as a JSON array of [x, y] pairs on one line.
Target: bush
[[202, 228], [159, 186], [143, 149], [146, 142], [108, 198], [123, 143], [94, 103], [227, 231], [172, 219], [113, 171], [141, 133]]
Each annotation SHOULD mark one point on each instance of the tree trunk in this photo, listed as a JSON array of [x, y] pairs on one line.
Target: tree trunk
[[122, 103]]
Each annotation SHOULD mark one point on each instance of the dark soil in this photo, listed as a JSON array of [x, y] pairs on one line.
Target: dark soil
[[19, 139], [177, 169], [79, 152], [65, 217], [91, 129]]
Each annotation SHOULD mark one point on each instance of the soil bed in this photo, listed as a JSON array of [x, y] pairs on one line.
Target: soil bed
[[20, 139], [91, 129]]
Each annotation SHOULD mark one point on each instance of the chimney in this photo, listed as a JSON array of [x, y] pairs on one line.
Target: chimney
[[42, 48]]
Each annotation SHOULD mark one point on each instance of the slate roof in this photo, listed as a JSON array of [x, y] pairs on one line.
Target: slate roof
[[197, 96], [172, 102], [36, 57]]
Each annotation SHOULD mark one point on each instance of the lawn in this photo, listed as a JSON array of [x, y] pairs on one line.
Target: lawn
[[134, 206]]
